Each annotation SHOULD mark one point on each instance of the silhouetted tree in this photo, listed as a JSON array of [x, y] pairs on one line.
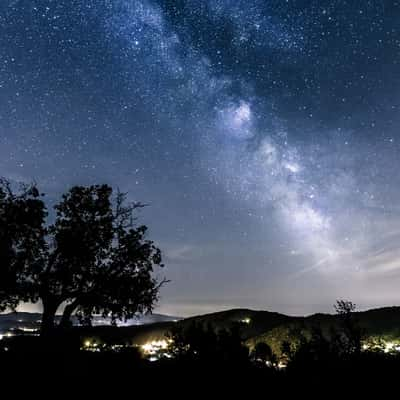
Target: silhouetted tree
[[319, 351], [93, 259], [350, 334], [22, 244], [287, 351], [312, 351], [263, 353], [231, 348], [197, 343]]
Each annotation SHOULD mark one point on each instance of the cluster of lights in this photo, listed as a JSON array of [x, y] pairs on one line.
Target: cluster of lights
[[382, 345], [28, 330], [91, 345], [246, 321], [154, 346], [156, 349], [391, 346], [7, 335], [153, 350]]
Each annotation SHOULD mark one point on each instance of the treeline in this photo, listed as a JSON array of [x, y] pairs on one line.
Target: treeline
[[201, 356]]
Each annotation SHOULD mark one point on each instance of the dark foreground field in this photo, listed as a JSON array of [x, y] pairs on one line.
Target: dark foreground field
[[40, 369], [218, 355]]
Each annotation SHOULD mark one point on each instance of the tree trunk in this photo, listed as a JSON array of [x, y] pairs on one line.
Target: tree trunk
[[66, 317], [50, 307]]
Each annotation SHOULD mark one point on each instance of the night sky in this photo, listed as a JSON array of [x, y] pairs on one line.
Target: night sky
[[263, 134]]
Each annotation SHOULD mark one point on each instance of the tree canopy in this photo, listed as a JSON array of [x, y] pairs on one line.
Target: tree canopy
[[92, 259]]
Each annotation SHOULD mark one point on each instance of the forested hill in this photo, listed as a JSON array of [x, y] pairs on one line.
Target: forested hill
[[254, 325]]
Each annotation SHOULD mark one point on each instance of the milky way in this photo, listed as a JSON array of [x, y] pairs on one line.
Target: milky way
[[263, 134]]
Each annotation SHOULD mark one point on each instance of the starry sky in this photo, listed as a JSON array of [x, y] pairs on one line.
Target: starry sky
[[264, 134]]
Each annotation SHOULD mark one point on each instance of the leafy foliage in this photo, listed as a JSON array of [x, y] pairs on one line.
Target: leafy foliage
[[93, 258], [23, 247]]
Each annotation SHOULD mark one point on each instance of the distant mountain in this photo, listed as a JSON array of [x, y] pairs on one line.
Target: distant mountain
[[252, 322], [28, 321], [19, 320], [139, 320]]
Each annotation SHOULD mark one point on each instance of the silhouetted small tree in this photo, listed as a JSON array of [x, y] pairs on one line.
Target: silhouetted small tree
[[263, 354], [197, 343], [350, 334], [319, 350], [192, 342], [287, 351], [93, 258]]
